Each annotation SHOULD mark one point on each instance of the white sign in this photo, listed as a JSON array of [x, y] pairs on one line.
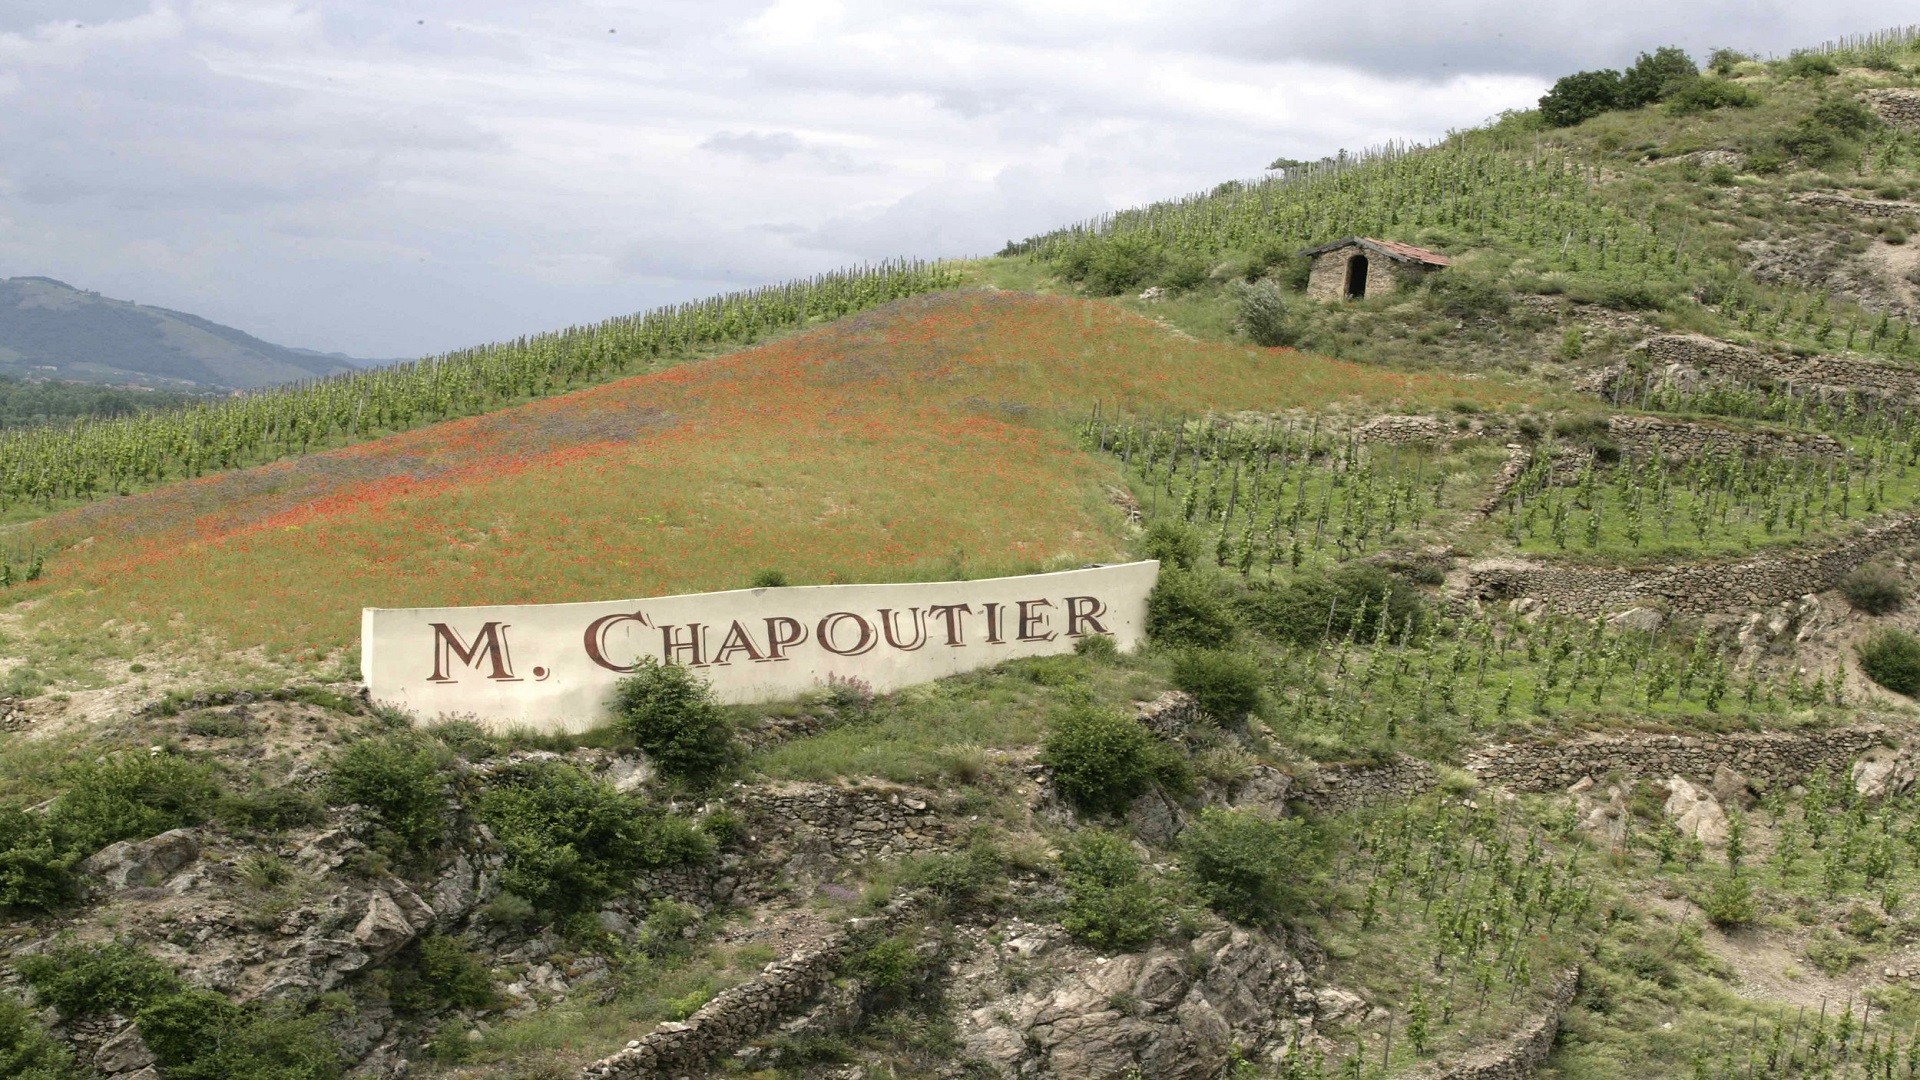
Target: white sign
[[553, 667]]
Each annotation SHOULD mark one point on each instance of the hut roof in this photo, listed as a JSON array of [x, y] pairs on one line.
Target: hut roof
[[1392, 249]]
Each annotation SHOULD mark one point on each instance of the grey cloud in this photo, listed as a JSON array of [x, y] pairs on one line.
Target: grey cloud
[[763, 147]]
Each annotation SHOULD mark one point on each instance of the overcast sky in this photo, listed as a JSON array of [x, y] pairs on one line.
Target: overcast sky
[[389, 178]]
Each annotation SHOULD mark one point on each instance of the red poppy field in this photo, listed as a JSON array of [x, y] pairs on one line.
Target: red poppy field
[[927, 438]]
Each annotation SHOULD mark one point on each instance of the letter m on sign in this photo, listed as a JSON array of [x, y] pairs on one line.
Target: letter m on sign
[[488, 650]]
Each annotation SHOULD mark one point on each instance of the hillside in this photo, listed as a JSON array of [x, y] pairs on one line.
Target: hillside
[[1530, 689], [51, 330]]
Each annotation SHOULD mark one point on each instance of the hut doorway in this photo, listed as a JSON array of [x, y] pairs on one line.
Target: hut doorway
[[1357, 277]]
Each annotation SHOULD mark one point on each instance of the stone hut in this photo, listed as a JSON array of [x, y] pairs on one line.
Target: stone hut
[[1363, 266]]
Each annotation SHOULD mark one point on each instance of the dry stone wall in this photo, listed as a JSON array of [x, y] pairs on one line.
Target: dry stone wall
[[1695, 588], [735, 1014], [1782, 756], [1640, 436], [1899, 108], [1812, 373], [1881, 208], [1520, 1054], [858, 824]]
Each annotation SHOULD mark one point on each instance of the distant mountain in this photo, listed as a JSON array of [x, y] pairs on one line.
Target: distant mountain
[[51, 330]]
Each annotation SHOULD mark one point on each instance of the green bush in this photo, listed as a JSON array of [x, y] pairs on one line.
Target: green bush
[[130, 796], [450, 973], [1251, 867], [35, 872], [27, 1051], [1102, 761], [1184, 271], [272, 809], [769, 579], [401, 779], [1724, 61], [1190, 608], [1807, 65], [1845, 116], [1467, 296], [572, 841], [206, 1037], [1226, 685], [1263, 315], [1581, 96], [1707, 94], [671, 713], [964, 879], [1174, 543], [88, 980], [1110, 265], [1110, 905], [1873, 590], [1314, 607], [1892, 658]]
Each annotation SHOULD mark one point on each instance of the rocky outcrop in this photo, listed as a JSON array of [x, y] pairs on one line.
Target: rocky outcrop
[[1885, 772], [128, 864], [1703, 588], [1776, 756], [1695, 812], [1172, 1011]]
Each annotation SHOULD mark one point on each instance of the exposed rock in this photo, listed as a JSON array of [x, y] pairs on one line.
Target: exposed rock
[[1695, 812], [1885, 771], [1645, 620], [124, 1053], [1602, 813], [1731, 788], [393, 916], [149, 862], [1167, 1012]]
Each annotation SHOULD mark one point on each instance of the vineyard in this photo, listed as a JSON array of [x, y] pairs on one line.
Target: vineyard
[[40, 468]]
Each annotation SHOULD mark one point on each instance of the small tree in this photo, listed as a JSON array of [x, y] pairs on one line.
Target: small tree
[[671, 713], [1655, 75], [1109, 903], [1226, 685], [401, 779], [1581, 96]]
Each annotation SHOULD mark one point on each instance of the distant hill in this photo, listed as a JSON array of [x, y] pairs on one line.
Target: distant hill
[[51, 330]]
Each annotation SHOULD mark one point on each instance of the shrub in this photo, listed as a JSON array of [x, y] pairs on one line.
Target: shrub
[[27, 1051], [1184, 271], [1465, 296], [401, 779], [572, 841], [1845, 116], [273, 809], [1873, 590], [1251, 867], [1312, 607], [1581, 96], [1188, 608], [34, 870], [1730, 903], [1263, 315], [1892, 658], [199, 1035], [130, 796], [1102, 761], [1655, 75], [1174, 543], [968, 878], [1109, 904], [1109, 265], [1707, 94], [769, 579], [671, 713], [1807, 65], [452, 975], [87, 980], [1226, 685], [1724, 61]]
